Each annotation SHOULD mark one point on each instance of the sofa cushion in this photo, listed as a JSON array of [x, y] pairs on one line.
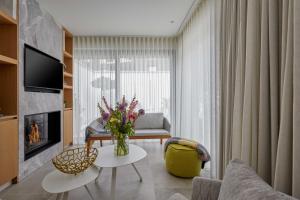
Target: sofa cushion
[[242, 183], [143, 132], [150, 121]]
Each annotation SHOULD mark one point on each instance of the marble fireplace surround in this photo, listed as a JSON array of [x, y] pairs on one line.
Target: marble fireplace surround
[[37, 28]]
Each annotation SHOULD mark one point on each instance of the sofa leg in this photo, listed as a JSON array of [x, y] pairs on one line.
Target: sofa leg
[[161, 141]]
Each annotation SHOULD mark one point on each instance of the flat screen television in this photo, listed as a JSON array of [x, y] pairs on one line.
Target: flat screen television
[[42, 72]]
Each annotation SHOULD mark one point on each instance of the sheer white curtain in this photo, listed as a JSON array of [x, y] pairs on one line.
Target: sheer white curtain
[[117, 66], [196, 104]]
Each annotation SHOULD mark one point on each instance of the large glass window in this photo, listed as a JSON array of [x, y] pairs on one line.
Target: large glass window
[[141, 72]]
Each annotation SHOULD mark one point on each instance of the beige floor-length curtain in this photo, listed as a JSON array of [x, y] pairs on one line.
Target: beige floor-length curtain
[[260, 89]]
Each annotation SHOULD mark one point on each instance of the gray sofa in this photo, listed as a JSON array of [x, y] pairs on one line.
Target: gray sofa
[[148, 126], [240, 183]]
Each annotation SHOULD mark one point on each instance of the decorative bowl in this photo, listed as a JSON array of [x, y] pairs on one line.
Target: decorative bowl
[[75, 161]]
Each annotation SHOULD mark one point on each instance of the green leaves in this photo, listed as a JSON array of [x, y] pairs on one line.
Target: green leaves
[[114, 125]]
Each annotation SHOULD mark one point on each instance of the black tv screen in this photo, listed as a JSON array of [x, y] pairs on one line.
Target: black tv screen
[[42, 71]]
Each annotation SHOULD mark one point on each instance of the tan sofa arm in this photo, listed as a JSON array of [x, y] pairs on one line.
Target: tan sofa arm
[[206, 189], [167, 125]]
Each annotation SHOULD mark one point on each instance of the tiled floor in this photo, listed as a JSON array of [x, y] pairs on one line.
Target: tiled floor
[[157, 183]]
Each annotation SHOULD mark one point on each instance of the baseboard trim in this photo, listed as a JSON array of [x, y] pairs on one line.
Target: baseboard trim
[[4, 186]]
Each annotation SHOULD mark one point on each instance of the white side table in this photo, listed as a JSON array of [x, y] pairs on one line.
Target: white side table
[[107, 159], [60, 183]]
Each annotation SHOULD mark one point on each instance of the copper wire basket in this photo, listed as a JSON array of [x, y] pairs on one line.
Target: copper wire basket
[[75, 161]]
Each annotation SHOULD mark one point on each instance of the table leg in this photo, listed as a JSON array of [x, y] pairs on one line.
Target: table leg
[[59, 195], [66, 196], [89, 192], [100, 170], [113, 182], [138, 173]]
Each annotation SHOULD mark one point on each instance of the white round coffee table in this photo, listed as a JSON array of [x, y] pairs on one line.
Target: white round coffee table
[[107, 159], [60, 183]]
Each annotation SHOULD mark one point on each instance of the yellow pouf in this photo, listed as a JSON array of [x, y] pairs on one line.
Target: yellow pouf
[[182, 161]]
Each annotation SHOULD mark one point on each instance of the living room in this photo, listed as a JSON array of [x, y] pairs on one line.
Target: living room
[[140, 99]]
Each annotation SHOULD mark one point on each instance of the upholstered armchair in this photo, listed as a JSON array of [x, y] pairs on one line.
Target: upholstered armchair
[[240, 183]]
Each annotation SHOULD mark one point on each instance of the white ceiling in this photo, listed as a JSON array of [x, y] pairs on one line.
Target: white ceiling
[[119, 17]]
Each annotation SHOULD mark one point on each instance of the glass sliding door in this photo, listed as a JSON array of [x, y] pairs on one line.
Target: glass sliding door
[[148, 78], [113, 67], [94, 78]]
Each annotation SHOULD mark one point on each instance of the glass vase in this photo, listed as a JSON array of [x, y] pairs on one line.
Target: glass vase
[[121, 145]]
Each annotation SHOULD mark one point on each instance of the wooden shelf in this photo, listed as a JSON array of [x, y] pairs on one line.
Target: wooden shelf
[[9, 82], [8, 60], [8, 117], [66, 74], [68, 87], [6, 19], [67, 54]]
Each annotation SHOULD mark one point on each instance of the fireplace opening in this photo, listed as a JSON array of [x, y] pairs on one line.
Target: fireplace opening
[[41, 132]]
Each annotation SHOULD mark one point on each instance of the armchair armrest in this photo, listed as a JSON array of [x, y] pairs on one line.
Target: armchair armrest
[[206, 189], [167, 125]]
